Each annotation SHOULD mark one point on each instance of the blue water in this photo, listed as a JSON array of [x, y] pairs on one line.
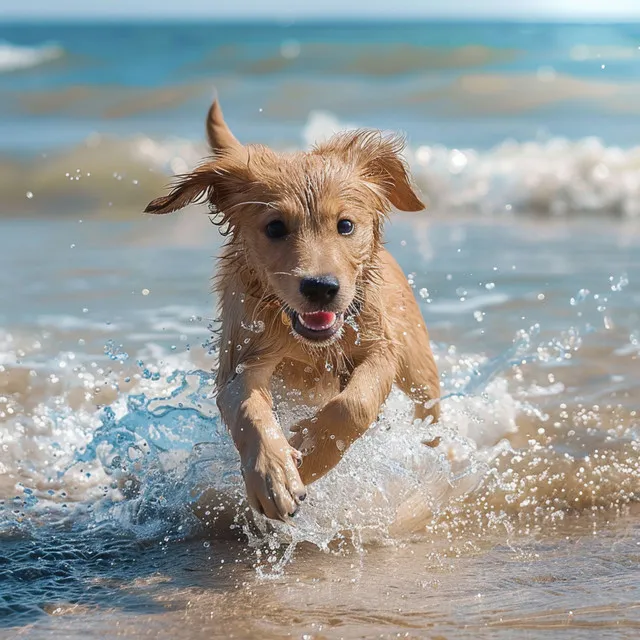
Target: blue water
[[395, 75]]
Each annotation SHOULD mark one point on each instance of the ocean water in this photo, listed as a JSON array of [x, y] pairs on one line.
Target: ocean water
[[121, 504]]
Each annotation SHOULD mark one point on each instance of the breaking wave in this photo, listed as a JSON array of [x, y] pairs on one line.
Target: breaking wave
[[15, 58], [553, 177]]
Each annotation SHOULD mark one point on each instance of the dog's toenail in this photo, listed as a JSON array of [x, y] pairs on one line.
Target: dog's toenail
[[303, 497]]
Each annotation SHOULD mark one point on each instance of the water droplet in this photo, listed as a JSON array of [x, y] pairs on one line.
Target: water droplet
[[623, 281], [29, 194], [254, 327]]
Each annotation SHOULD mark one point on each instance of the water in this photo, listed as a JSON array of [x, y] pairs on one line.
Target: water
[[512, 118], [121, 505]]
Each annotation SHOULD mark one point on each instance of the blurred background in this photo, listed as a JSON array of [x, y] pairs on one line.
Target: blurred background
[[506, 107]]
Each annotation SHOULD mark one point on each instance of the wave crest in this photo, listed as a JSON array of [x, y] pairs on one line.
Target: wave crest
[[14, 57], [554, 177]]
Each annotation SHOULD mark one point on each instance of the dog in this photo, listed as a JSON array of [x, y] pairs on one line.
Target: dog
[[308, 292]]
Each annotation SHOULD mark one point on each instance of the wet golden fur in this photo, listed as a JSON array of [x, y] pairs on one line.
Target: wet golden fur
[[357, 175]]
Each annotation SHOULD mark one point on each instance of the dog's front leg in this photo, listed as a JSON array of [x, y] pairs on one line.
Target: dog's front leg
[[325, 437], [269, 463]]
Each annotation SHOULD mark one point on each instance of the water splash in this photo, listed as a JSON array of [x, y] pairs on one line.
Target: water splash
[[156, 463]]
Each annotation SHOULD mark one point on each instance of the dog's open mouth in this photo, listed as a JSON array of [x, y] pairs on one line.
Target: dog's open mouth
[[319, 326]]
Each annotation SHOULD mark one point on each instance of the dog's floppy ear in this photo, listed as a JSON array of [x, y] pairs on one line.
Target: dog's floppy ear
[[379, 160], [387, 168], [188, 189], [202, 181]]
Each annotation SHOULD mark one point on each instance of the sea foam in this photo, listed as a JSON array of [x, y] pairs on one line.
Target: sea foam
[[14, 57], [550, 177]]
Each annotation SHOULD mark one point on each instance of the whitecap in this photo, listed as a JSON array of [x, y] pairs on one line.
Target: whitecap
[[15, 57]]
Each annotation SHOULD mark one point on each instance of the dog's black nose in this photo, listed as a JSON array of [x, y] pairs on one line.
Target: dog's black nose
[[320, 289]]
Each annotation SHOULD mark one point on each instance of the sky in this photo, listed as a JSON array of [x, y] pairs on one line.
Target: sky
[[288, 9]]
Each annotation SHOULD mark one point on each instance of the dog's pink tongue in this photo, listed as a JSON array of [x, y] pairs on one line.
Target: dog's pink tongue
[[319, 320]]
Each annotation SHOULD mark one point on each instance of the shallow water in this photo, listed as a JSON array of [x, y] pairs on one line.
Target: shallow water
[[523, 521]]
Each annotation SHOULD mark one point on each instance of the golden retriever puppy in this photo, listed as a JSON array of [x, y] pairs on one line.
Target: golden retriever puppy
[[308, 293]]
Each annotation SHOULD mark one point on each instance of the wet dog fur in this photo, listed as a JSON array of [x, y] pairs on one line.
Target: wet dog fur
[[307, 291]]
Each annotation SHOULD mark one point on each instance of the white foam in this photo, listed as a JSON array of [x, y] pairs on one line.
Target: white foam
[[321, 125], [555, 176], [387, 485], [14, 57], [551, 177]]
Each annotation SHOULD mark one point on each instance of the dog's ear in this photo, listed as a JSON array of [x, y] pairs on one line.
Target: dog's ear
[[219, 135], [205, 180], [386, 167], [380, 163], [189, 188]]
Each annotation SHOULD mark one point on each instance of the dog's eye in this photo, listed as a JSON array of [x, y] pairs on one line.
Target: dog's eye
[[276, 229], [345, 227]]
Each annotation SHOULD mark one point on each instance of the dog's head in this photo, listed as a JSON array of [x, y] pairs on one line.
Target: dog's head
[[307, 226]]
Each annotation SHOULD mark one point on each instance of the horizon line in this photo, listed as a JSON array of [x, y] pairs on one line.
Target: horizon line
[[334, 18]]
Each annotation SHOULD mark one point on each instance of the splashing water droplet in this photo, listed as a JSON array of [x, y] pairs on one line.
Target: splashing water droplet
[[623, 281], [255, 327]]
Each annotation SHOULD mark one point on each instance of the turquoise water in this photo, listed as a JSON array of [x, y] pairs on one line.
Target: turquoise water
[[121, 505], [499, 117], [402, 76]]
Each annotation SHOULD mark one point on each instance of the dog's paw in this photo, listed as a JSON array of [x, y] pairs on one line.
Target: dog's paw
[[271, 476]]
